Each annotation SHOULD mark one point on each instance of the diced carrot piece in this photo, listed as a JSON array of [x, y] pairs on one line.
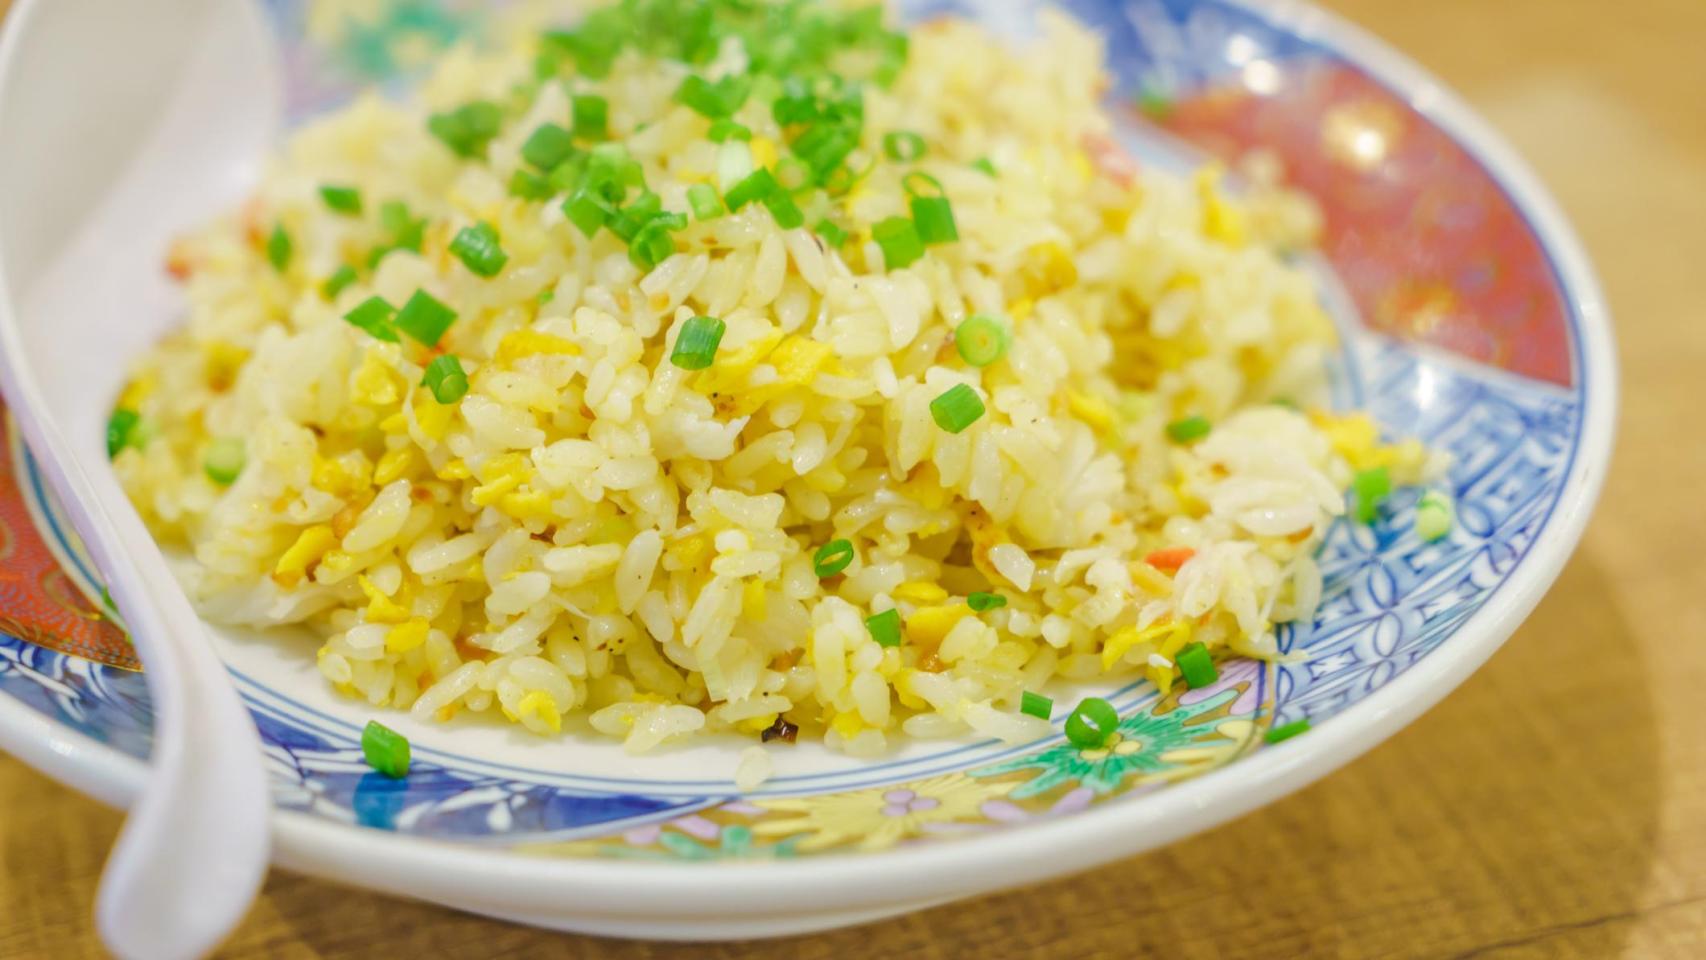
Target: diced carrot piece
[[1170, 559]]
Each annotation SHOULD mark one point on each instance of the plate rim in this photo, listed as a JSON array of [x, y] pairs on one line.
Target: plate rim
[[517, 883]]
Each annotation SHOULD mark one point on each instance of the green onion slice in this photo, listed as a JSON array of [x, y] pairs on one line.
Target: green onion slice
[[785, 210], [446, 378], [279, 248], [722, 130], [981, 339], [757, 185], [529, 186], [957, 408], [985, 601], [385, 750], [591, 117], [1434, 516], [1371, 487], [899, 241], [375, 315], [344, 200], [832, 558], [467, 129], [833, 235], [121, 427], [1196, 666], [425, 318], [934, 220], [696, 344], [224, 460], [1188, 430], [703, 199], [588, 210], [921, 184], [339, 281], [903, 146], [1091, 723], [548, 147], [1035, 705], [885, 628], [477, 247]]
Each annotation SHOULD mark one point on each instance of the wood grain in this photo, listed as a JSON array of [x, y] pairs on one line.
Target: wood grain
[[1555, 806]]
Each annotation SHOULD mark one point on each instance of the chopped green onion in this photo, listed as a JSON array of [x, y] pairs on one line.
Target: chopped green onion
[[652, 244], [403, 231], [757, 185], [547, 295], [279, 248], [824, 147], [345, 200], [1188, 429], [1434, 516], [588, 210], [1286, 732], [984, 165], [934, 217], [957, 408], [1091, 723], [885, 628], [477, 247], [548, 147], [980, 602], [714, 101], [903, 145], [340, 280], [592, 117], [386, 750], [921, 184], [1196, 666], [1035, 705], [120, 426], [446, 379], [468, 129], [224, 460], [1371, 487], [703, 199], [898, 238], [785, 210], [722, 130], [831, 234], [425, 318], [832, 558], [793, 174], [981, 339], [696, 344], [375, 316], [529, 186], [628, 221]]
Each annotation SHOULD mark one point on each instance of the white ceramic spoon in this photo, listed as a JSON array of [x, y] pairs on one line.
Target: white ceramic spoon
[[195, 847]]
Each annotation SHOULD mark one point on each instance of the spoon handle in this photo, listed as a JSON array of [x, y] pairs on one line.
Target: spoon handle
[[195, 848]]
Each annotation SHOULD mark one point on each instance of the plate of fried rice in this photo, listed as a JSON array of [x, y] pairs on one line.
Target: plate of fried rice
[[720, 468]]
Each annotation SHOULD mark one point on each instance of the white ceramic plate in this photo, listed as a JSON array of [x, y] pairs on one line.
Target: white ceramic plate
[[122, 122]]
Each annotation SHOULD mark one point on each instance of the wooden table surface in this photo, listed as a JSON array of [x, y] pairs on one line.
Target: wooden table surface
[[1555, 806]]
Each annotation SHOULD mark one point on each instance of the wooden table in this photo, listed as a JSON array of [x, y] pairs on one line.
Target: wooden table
[[1555, 806]]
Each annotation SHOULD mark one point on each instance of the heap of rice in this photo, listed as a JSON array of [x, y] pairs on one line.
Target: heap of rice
[[593, 531]]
